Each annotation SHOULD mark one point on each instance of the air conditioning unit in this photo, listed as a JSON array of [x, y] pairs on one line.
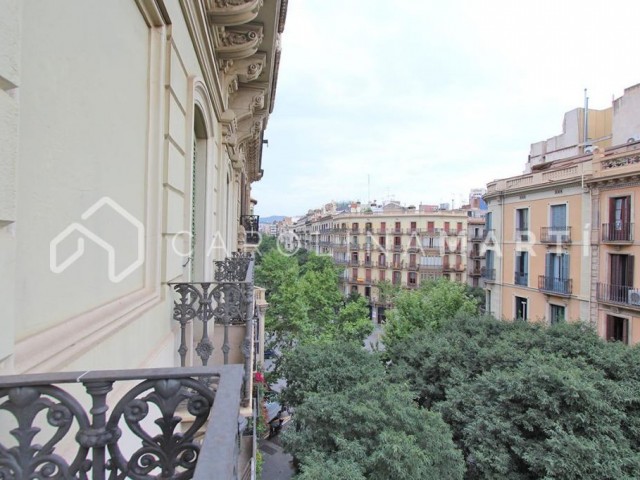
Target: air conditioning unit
[[634, 297]]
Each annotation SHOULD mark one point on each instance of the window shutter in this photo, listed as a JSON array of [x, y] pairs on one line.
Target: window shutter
[[565, 267], [625, 331], [609, 332], [629, 273]]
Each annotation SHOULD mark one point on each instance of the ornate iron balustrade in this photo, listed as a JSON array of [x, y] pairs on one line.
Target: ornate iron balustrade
[[143, 435], [251, 224], [559, 286], [617, 232], [227, 301]]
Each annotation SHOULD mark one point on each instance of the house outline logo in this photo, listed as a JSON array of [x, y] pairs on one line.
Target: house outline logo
[[84, 231]]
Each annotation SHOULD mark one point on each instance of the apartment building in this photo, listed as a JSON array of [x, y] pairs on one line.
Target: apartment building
[[560, 240], [131, 132], [404, 246]]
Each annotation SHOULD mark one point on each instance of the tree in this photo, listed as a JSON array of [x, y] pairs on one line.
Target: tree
[[427, 307], [340, 420], [305, 302], [528, 401]]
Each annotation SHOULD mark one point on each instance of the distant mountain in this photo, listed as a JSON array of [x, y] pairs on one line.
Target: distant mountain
[[271, 219]]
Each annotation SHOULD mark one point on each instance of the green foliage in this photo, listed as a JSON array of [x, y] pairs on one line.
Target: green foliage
[[428, 307], [305, 302], [526, 401], [348, 414], [268, 243]]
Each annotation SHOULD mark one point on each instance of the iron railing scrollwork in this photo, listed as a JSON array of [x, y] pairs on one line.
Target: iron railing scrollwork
[[226, 301], [144, 436]]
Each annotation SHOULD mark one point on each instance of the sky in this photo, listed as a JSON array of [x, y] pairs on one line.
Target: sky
[[421, 101]]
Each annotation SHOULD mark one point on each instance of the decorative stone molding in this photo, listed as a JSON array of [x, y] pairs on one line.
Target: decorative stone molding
[[233, 12], [229, 128], [238, 42], [243, 71]]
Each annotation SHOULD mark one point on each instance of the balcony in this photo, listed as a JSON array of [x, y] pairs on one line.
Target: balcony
[[353, 262], [81, 440], [167, 423], [251, 225], [622, 295], [618, 232], [476, 237], [521, 278], [459, 267], [382, 265], [397, 265], [430, 268], [555, 286], [413, 267], [413, 248], [354, 246], [397, 248], [555, 235], [341, 261], [446, 267], [489, 274], [477, 255], [475, 272]]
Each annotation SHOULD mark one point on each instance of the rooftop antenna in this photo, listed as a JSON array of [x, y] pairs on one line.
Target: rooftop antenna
[[586, 120]]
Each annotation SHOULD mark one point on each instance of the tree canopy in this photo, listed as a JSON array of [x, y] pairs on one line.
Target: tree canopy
[[305, 301], [528, 401], [349, 416], [428, 306]]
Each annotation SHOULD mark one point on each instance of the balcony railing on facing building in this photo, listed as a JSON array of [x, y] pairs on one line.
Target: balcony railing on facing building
[[618, 294], [251, 225], [554, 285], [521, 278], [489, 274], [617, 232], [151, 431], [477, 254], [475, 272], [555, 235]]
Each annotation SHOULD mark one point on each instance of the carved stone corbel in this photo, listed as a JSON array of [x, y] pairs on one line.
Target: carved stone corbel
[[243, 71], [233, 12], [238, 42], [229, 124]]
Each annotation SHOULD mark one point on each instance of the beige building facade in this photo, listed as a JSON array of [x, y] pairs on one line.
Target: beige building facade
[[561, 244], [130, 134], [403, 246]]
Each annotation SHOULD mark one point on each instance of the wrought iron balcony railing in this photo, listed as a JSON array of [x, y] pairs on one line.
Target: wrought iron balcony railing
[[521, 278], [150, 432], [619, 294], [559, 286], [227, 302], [251, 224], [489, 274], [555, 235], [617, 232]]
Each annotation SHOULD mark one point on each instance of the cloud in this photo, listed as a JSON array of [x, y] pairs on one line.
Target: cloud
[[425, 100]]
